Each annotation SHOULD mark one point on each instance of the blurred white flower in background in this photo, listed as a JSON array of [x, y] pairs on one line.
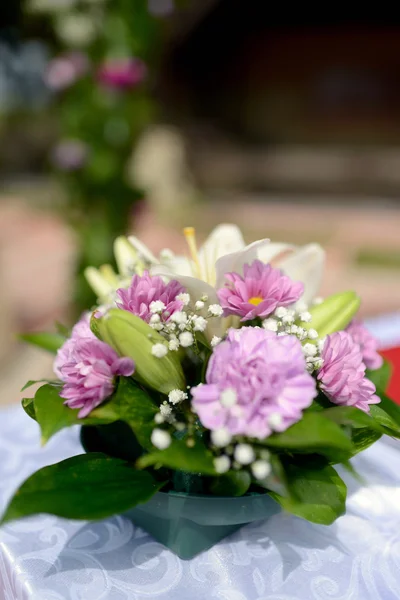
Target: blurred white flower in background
[[76, 29], [50, 5]]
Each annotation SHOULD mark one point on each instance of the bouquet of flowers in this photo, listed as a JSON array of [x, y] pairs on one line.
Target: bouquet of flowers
[[216, 374]]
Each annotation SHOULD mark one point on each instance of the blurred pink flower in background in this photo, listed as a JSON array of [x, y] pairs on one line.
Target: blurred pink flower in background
[[122, 73], [65, 70], [70, 155]]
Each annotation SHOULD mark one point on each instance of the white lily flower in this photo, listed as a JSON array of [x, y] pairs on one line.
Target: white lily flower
[[203, 272], [225, 251]]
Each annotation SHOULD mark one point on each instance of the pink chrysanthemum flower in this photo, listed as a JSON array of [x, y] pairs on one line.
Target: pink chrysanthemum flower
[[145, 290], [259, 292], [342, 376], [256, 383], [89, 374], [367, 342], [80, 331]]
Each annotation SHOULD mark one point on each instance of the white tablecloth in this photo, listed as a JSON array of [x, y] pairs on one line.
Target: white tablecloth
[[283, 558]]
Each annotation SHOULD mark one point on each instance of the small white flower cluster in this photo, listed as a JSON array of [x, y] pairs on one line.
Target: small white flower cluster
[[181, 328], [285, 321], [241, 456], [166, 414]]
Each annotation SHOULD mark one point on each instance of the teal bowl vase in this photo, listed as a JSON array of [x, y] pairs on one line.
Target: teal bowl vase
[[186, 523]]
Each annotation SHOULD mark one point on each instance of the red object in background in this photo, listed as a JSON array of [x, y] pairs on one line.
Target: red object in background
[[392, 355]]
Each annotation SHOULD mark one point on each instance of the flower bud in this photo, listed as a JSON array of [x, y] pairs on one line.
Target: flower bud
[[103, 281], [127, 258], [132, 337], [333, 314]]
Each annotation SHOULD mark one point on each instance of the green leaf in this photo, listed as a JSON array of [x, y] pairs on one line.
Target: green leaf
[[349, 415], [380, 377], [277, 480], [28, 405], [233, 483], [53, 415], [364, 438], [63, 330], [321, 494], [132, 404], [389, 425], [47, 341], [88, 486], [31, 382], [314, 433], [389, 407], [197, 459], [129, 403]]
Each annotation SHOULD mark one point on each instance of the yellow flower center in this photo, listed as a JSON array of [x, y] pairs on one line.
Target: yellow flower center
[[256, 300]]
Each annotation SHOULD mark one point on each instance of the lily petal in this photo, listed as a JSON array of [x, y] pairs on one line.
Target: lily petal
[[236, 260], [224, 239], [306, 264], [179, 265], [143, 250], [273, 250], [195, 287]]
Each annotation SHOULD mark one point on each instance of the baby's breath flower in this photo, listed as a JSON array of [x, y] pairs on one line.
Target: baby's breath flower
[[310, 349], [157, 306], [302, 334], [177, 396], [301, 306], [281, 312], [261, 469], [173, 345], [215, 310], [305, 317], [186, 339], [228, 397], [274, 420], [312, 334], [288, 319], [221, 437], [160, 439], [159, 350], [165, 410], [184, 298], [215, 341], [199, 323], [222, 464], [199, 305], [270, 324], [179, 317], [244, 454]]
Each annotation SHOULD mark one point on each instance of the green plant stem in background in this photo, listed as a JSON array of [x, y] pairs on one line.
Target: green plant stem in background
[[99, 120]]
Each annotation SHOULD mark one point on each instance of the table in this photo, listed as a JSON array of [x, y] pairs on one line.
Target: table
[[283, 558]]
